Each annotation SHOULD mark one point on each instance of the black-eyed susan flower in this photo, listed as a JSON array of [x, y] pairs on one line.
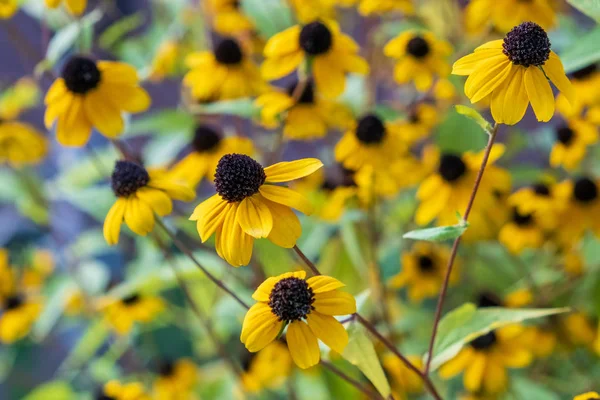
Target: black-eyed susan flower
[[225, 74], [8, 8], [332, 55], [579, 205], [176, 379], [449, 186], [421, 57], [370, 141], [521, 232], [586, 84], [249, 206], [418, 123], [572, 142], [511, 73], [19, 312], [21, 144], [268, 368], [115, 390], [207, 147], [228, 18], [380, 7], [92, 94], [539, 199], [311, 10], [75, 7], [122, 314], [587, 396], [404, 381], [485, 359], [141, 194], [423, 271], [308, 118], [505, 14], [289, 300]]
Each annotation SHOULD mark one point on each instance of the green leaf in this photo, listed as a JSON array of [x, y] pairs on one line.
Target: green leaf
[[475, 116], [269, 16], [583, 52], [86, 347], [53, 308], [467, 322], [240, 107], [458, 134], [67, 37], [55, 390], [114, 33], [438, 234], [361, 353], [523, 388], [591, 8], [165, 122]]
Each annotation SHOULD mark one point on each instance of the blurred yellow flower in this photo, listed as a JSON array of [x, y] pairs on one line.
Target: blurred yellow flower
[[8, 8], [176, 380], [75, 7], [572, 142], [122, 314], [125, 391], [404, 380], [228, 18], [504, 14], [268, 368]]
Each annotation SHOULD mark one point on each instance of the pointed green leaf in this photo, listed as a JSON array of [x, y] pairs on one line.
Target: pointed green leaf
[[591, 8], [475, 116], [437, 234]]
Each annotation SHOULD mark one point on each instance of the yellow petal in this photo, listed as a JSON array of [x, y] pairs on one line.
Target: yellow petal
[[103, 114], [303, 345], [139, 216], [236, 245], [474, 372], [260, 327], [156, 199], [290, 170], [76, 7], [210, 215], [254, 217], [117, 72], [286, 226], [487, 76], [329, 330], [322, 283], [113, 221], [263, 292], [539, 93], [73, 127], [555, 71], [335, 303], [287, 197], [275, 68], [129, 98], [330, 78], [510, 103], [285, 42], [457, 364]]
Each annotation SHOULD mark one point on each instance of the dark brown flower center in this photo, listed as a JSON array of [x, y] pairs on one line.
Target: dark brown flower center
[[426, 264], [585, 72], [128, 177], [541, 189], [81, 74], [370, 130], [585, 190], [14, 302], [291, 299], [418, 47], [521, 219], [166, 368], [238, 176], [315, 38], [451, 167], [527, 44], [485, 341], [206, 138], [488, 299], [228, 52], [131, 299], [565, 135]]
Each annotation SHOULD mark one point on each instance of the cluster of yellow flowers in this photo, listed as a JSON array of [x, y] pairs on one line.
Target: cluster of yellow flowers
[[299, 80]]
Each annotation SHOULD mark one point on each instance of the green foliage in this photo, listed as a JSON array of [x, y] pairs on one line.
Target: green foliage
[[269, 16], [475, 116], [591, 8], [583, 52], [66, 38], [55, 390], [438, 234], [458, 133]]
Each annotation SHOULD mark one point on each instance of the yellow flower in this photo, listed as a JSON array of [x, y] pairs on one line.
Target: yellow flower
[[228, 19], [311, 10], [268, 368], [404, 380], [290, 299], [578, 329], [140, 194], [8, 8], [92, 94], [423, 271], [22, 95], [75, 303], [308, 118], [248, 206], [508, 77], [539, 199], [444, 90], [448, 188], [165, 60], [123, 313], [371, 142], [421, 57], [419, 123], [225, 74], [21, 144], [176, 380], [521, 232], [18, 315], [380, 7], [518, 298], [580, 206], [332, 55], [572, 142], [587, 396], [128, 391], [586, 84], [75, 7], [504, 14], [208, 146], [485, 359]]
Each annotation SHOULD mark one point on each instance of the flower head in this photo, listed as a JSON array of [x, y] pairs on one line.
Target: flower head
[[123, 313], [8, 8], [521, 231], [511, 73], [92, 94], [249, 206], [267, 368], [115, 390], [578, 202], [140, 194], [228, 17], [505, 14], [572, 142], [587, 396], [307, 307], [175, 379]]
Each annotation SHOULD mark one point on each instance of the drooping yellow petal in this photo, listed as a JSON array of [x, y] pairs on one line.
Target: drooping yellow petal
[[263, 291], [286, 226], [235, 244], [156, 199], [275, 68], [322, 283], [260, 327], [303, 345], [474, 372], [103, 114], [329, 330], [555, 71], [284, 42], [210, 216], [138, 216], [73, 128], [254, 217], [330, 78], [457, 364], [113, 221], [488, 75], [289, 170], [335, 302], [508, 105], [539, 93], [129, 98], [287, 197]]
